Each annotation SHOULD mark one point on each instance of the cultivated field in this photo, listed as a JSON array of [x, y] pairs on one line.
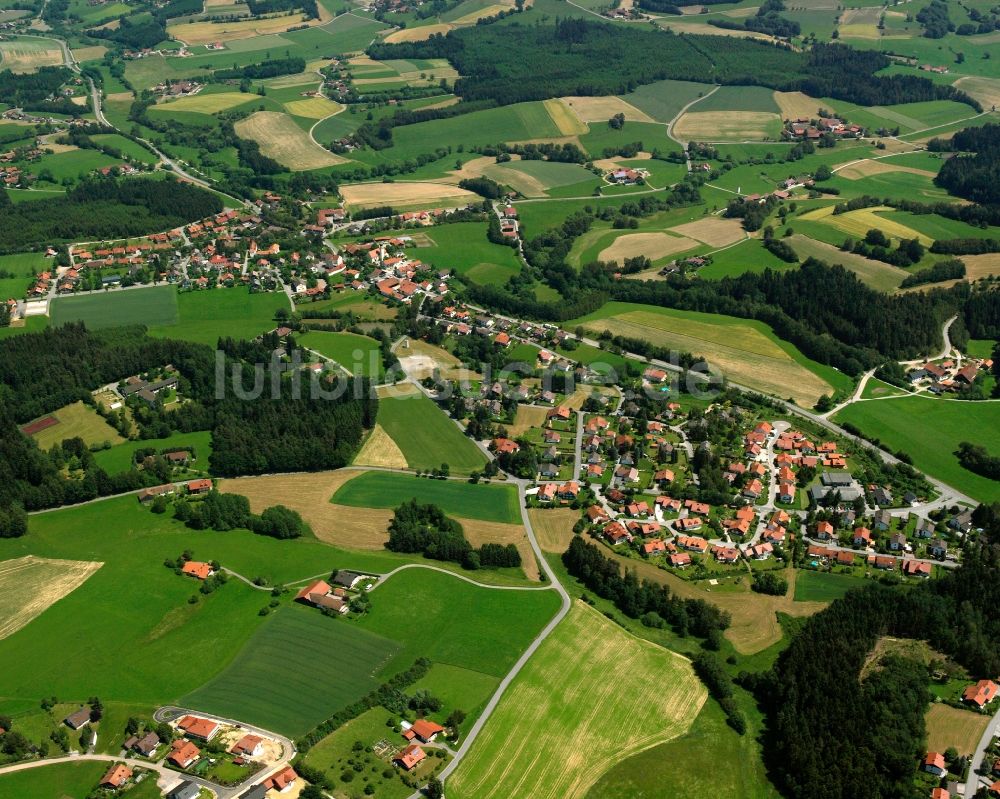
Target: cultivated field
[[203, 103], [479, 532], [527, 416], [654, 246], [949, 726], [148, 306], [343, 661], [860, 23], [712, 230], [740, 349], [796, 105], [73, 421], [977, 266], [877, 274], [418, 34], [29, 585], [855, 170], [313, 108], [985, 90], [284, 141], [565, 720], [553, 528], [727, 126], [601, 109], [858, 223], [27, 55], [380, 450], [208, 32], [566, 120], [368, 195]]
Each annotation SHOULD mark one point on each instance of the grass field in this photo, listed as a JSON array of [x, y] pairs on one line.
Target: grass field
[[930, 431], [284, 141], [565, 719], [663, 100], [744, 350], [360, 355], [29, 585], [490, 503], [877, 274], [536, 178], [553, 527], [206, 102], [313, 108], [727, 125], [119, 458], [147, 306], [27, 55], [426, 436], [655, 246], [77, 421], [858, 223], [57, 781], [204, 316], [813, 586], [950, 726], [343, 661]]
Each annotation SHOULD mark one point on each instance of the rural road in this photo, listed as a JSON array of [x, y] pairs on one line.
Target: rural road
[[166, 778], [974, 781]]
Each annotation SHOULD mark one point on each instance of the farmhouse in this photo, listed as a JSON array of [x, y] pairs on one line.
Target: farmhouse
[[183, 753], [202, 486], [409, 757], [149, 494], [198, 727], [426, 731], [322, 595], [980, 694], [197, 569], [116, 777]]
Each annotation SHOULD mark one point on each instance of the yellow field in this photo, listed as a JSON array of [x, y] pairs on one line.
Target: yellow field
[[418, 34], [208, 32], [29, 585], [567, 122], [27, 55], [553, 528], [725, 125], [741, 352], [479, 532], [420, 360], [855, 170], [592, 695], [89, 53], [284, 141], [977, 266], [380, 450], [712, 230], [986, 90], [653, 245], [313, 108], [483, 13], [796, 105], [301, 79], [950, 726], [77, 421], [202, 103], [877, 274], [527, 416], [366, 195], [860, 23], [858, 223], [709, 30], [601, 109]]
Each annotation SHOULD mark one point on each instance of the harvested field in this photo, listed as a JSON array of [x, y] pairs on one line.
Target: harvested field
[[713, 231], [654, 246], [569, 123], [474, 168], [313, 108], [601, 109], [202, 103], [380, 450], [796, 105], [208, 32], [29, 585], [949, 726], [89, 53], [709, 30], [445, 104], [855, 170], [553, 528], [563, 722], [860, 23], [367, 195], [284, 141], [727, 126], [527, 416], [977, 266], [418, 34], [878, 275], [489, 11], [480, 532], [858, 223], [27, 55], [420, 359], [985, 90]]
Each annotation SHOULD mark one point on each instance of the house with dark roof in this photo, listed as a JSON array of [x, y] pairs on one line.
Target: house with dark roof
[[349, 579], [79, 719], [188, 790]]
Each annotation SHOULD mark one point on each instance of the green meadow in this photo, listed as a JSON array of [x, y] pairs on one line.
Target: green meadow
[[57, 781], [204, 316], [811, 586], [360, 355], [119, 457], [156, 305]]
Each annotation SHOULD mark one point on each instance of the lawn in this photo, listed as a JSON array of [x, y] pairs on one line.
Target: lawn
[[463, 247], [119, 458], [23, 266], [332, 662], [811, 586], [204, 316], [57, 781], [566, 719], [360, 355], [426, 436], [156, 305], [490, 503], [77, 421], [930, 430], [747, 256]]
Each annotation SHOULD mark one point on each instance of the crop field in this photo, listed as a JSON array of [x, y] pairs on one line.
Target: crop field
[[489, 503], [343, 664], [978, 266], [359, 355], [745, 351], [601, 109], [479, 532], [563, 722], [727, 125], [426, 436], [712, 230], [27, 55], [29, 585], [856, 170], [741, 99], [553, 528], [796, 105], [860, 23], [950, 726], [985, 90], [663, 100], [418, 34], [401, 195], [654, 246], [535, 178], [206, 103], [878, 275], [930, 431], [858, 223], [380, 450], [313, 108], [566, 120], [208, 32], [76, 421], [202, 316], [148, 306], [284, 141], [421, 359]]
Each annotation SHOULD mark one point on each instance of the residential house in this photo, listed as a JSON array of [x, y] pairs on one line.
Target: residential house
[[655, 547], [568, 491], [424, 730], [202, 486], [183, 753], [248, 746], [761, 551], [883, 562], [680, 560], [862, 537], [197, 727], [937, 548], [197, 569], [980, 694], [283, 781], [753, 489], [883, 520], [149, 494], [725, 554], [934, 763], [916, 568], [322, 595], [116, 777], [186, 790], [409, 757], [824, 531], [692, 543], [845, 557], [616, 533], [145, 746], [786, 493], [897, 542]]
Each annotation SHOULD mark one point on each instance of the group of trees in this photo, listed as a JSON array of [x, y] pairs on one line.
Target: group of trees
[[32, 91], [272, 68], [934, 17], [426, 529], [217, 511], [975, 177], [877, 245], [949, 269], [976, 458], [767, 20]]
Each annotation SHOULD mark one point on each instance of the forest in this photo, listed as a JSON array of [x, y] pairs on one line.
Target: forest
[[821, 711], [103, 208], [982, 314], [974, 177], [577, 57], [30, 92]]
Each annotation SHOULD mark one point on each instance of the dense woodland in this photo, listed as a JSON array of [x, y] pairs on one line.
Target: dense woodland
[[974, 177], [513, 63], [820, 712], [103, 208], [31, 92]]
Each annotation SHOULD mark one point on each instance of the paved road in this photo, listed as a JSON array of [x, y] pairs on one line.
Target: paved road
[[578, 447], [975, 781], [384, 577]]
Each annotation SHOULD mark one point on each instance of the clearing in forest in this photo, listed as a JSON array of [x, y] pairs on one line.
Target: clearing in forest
[[29, 585]]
